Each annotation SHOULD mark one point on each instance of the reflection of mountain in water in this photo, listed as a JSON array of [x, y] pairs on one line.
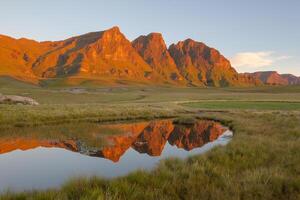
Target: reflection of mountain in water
[[154, 137], [190, 137], [144, 137], [8, 145]]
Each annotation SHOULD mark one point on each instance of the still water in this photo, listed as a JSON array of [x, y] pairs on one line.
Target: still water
[[44, 160]]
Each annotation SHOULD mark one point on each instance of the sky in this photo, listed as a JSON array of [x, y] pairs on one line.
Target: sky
[[255, 35]]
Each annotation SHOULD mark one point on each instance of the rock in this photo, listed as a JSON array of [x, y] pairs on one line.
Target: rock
[[14, 99]]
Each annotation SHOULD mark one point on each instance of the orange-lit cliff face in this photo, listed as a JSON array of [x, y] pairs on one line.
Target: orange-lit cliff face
[[144, 137], [110, 55]]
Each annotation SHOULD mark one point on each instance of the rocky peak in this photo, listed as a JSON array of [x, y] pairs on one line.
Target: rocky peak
[[156, 39], [114, 29], [202, 65], [153, 50], [197, 54], [112, 34], [103, 54]]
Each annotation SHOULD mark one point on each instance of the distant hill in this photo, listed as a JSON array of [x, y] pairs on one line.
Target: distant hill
[[292, 79], [109, 57], [274, 78]]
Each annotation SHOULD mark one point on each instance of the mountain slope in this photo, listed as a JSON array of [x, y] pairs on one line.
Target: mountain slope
[[18, 55]]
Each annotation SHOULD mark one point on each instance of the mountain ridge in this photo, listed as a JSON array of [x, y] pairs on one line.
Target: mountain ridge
[[274, 78], [108, 55]]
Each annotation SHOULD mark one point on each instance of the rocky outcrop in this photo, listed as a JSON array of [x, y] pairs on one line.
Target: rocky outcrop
[[14, 99]]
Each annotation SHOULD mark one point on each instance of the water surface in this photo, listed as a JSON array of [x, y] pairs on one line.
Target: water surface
[[46, 160]]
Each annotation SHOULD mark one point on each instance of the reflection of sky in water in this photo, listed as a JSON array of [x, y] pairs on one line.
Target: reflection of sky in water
[[42, 168]]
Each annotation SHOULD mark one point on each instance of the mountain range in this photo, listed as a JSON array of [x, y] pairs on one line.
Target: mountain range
[[108, 56], [274, 78]]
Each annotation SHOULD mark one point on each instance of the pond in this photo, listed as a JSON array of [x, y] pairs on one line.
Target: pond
[[42, 159]]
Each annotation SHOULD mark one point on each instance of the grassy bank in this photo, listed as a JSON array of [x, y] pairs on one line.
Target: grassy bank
[[21, 116], [261, 162]]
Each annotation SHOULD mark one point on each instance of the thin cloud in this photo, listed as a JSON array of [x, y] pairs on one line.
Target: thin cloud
[[256, 59]]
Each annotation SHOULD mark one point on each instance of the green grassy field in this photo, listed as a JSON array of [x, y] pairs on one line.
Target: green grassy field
[[144, 94], [261, 162], [254, 105]]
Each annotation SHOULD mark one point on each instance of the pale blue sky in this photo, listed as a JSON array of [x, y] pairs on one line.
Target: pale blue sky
[[254, 34]]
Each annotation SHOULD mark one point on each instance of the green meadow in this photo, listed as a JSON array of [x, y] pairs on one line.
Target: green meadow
[[241, 105]]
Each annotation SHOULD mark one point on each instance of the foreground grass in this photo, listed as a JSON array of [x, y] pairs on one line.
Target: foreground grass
[[261, 162]]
